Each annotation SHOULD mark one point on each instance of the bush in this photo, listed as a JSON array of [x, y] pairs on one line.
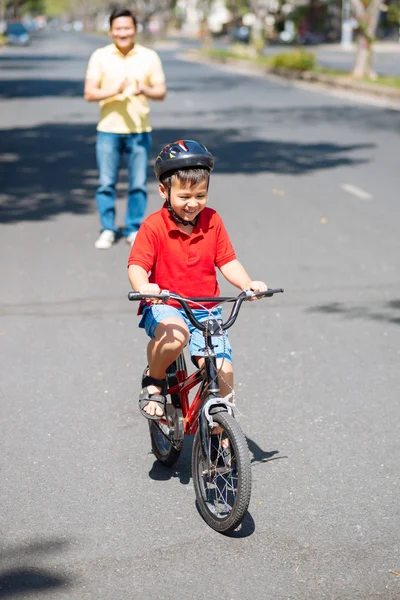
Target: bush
[[299, 60]]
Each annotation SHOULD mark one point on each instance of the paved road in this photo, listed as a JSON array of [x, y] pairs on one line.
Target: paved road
[[308, 186]]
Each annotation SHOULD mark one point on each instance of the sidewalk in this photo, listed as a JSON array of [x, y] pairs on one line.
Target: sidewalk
[[368, 91], [380, 47]]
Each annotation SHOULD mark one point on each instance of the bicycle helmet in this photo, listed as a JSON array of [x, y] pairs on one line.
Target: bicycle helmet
[[183, 154]]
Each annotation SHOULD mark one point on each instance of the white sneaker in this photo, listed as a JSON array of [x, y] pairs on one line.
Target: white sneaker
[[131, 237], [106, 240]]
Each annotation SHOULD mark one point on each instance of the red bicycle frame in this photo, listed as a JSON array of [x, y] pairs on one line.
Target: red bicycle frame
[[185, 383]]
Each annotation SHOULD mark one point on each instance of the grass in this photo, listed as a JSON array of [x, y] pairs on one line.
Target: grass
[[292, 60], [385, 80]]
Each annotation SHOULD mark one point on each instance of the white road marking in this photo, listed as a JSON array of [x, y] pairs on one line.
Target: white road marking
[[356, 191]]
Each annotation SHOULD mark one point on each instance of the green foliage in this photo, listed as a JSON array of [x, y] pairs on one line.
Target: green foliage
[[57, 8], [237, 7], [299, 60], [393, 13], [35, 7]]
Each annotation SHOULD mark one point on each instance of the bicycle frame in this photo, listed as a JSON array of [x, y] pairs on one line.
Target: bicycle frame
[[179, 383], [206, 376]]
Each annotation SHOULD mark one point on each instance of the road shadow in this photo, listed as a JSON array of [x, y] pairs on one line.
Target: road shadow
[[33, 57], [51, 169], [40, 88], [29, 581], [21, 575], [354, 118], [236, 152], [387, 313]]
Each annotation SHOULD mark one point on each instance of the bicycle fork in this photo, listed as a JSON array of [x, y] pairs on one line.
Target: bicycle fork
[[212, 405]]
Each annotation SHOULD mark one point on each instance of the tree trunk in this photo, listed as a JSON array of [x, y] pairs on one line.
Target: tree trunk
[[367, 17], [363, 63], [258, 33]]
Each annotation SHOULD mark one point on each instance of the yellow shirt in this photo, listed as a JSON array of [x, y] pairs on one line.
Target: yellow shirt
[[107, 67]]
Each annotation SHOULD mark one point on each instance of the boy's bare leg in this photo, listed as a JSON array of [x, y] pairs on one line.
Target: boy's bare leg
[[225, 378], [171, 336]]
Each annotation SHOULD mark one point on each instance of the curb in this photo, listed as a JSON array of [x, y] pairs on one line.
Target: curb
[[308, 77]]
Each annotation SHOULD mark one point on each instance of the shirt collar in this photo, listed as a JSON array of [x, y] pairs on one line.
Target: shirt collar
[[131, 52], [203, 222]]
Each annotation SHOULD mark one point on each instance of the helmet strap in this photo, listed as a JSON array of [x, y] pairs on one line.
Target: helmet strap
[[176, 218]]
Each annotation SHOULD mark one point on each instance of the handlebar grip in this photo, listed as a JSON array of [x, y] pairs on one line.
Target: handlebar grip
[[137, 296], [269, 293]]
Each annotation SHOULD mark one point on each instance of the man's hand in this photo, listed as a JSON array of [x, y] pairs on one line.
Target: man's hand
[[139, 89], [150, 288], [257, 286], [121, 87]]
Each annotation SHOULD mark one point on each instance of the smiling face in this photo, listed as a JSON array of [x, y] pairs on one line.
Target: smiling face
[[123, 33], [186, 200]]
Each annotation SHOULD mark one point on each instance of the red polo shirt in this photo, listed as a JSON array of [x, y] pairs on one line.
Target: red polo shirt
[[179, 262]]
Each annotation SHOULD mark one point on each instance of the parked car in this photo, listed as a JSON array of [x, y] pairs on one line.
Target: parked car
[[241, 33], [17, 35]]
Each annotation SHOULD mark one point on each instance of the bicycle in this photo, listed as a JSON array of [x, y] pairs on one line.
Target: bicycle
[[221, 468]]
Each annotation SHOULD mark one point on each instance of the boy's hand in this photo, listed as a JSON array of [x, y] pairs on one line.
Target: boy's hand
[[150, 288], [257, 286]]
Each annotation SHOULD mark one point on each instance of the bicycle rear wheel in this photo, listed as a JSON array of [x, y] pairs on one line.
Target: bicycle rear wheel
[[222, 481], [166, 450]]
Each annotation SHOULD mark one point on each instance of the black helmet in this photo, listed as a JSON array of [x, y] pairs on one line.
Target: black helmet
[[183, 154]]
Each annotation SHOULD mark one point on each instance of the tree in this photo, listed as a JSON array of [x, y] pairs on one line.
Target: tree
[[260, 10], [367, 14], [15, 9]]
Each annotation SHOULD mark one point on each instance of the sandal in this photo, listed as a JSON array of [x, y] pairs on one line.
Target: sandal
[[145, 397]]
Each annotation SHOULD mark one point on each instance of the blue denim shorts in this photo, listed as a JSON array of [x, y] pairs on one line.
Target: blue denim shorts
[[155, 313]]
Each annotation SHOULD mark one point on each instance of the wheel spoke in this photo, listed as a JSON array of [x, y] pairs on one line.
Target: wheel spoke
[[222, 479]]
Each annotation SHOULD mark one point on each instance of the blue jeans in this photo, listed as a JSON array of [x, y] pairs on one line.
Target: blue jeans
[[110, 147]]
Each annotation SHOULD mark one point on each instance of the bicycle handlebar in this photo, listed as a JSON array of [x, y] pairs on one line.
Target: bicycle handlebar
[[184, 302]]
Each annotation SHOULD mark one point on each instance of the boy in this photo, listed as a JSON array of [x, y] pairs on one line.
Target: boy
[[180, 246]]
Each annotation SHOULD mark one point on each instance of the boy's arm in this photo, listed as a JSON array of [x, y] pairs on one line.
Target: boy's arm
[[139, 279], [236, 274]]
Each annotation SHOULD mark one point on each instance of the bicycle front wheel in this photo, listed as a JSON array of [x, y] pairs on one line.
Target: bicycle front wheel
[[222, 481]]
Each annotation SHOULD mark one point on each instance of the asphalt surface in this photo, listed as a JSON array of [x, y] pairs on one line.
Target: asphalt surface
[[307, 184]]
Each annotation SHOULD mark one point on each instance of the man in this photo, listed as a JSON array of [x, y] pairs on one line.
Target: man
[[122, 77]]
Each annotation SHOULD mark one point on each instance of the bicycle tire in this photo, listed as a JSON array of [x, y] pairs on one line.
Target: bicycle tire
[[163, 449], [222, 490]]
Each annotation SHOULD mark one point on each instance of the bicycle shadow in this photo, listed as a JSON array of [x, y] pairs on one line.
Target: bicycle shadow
[[182, 469]]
